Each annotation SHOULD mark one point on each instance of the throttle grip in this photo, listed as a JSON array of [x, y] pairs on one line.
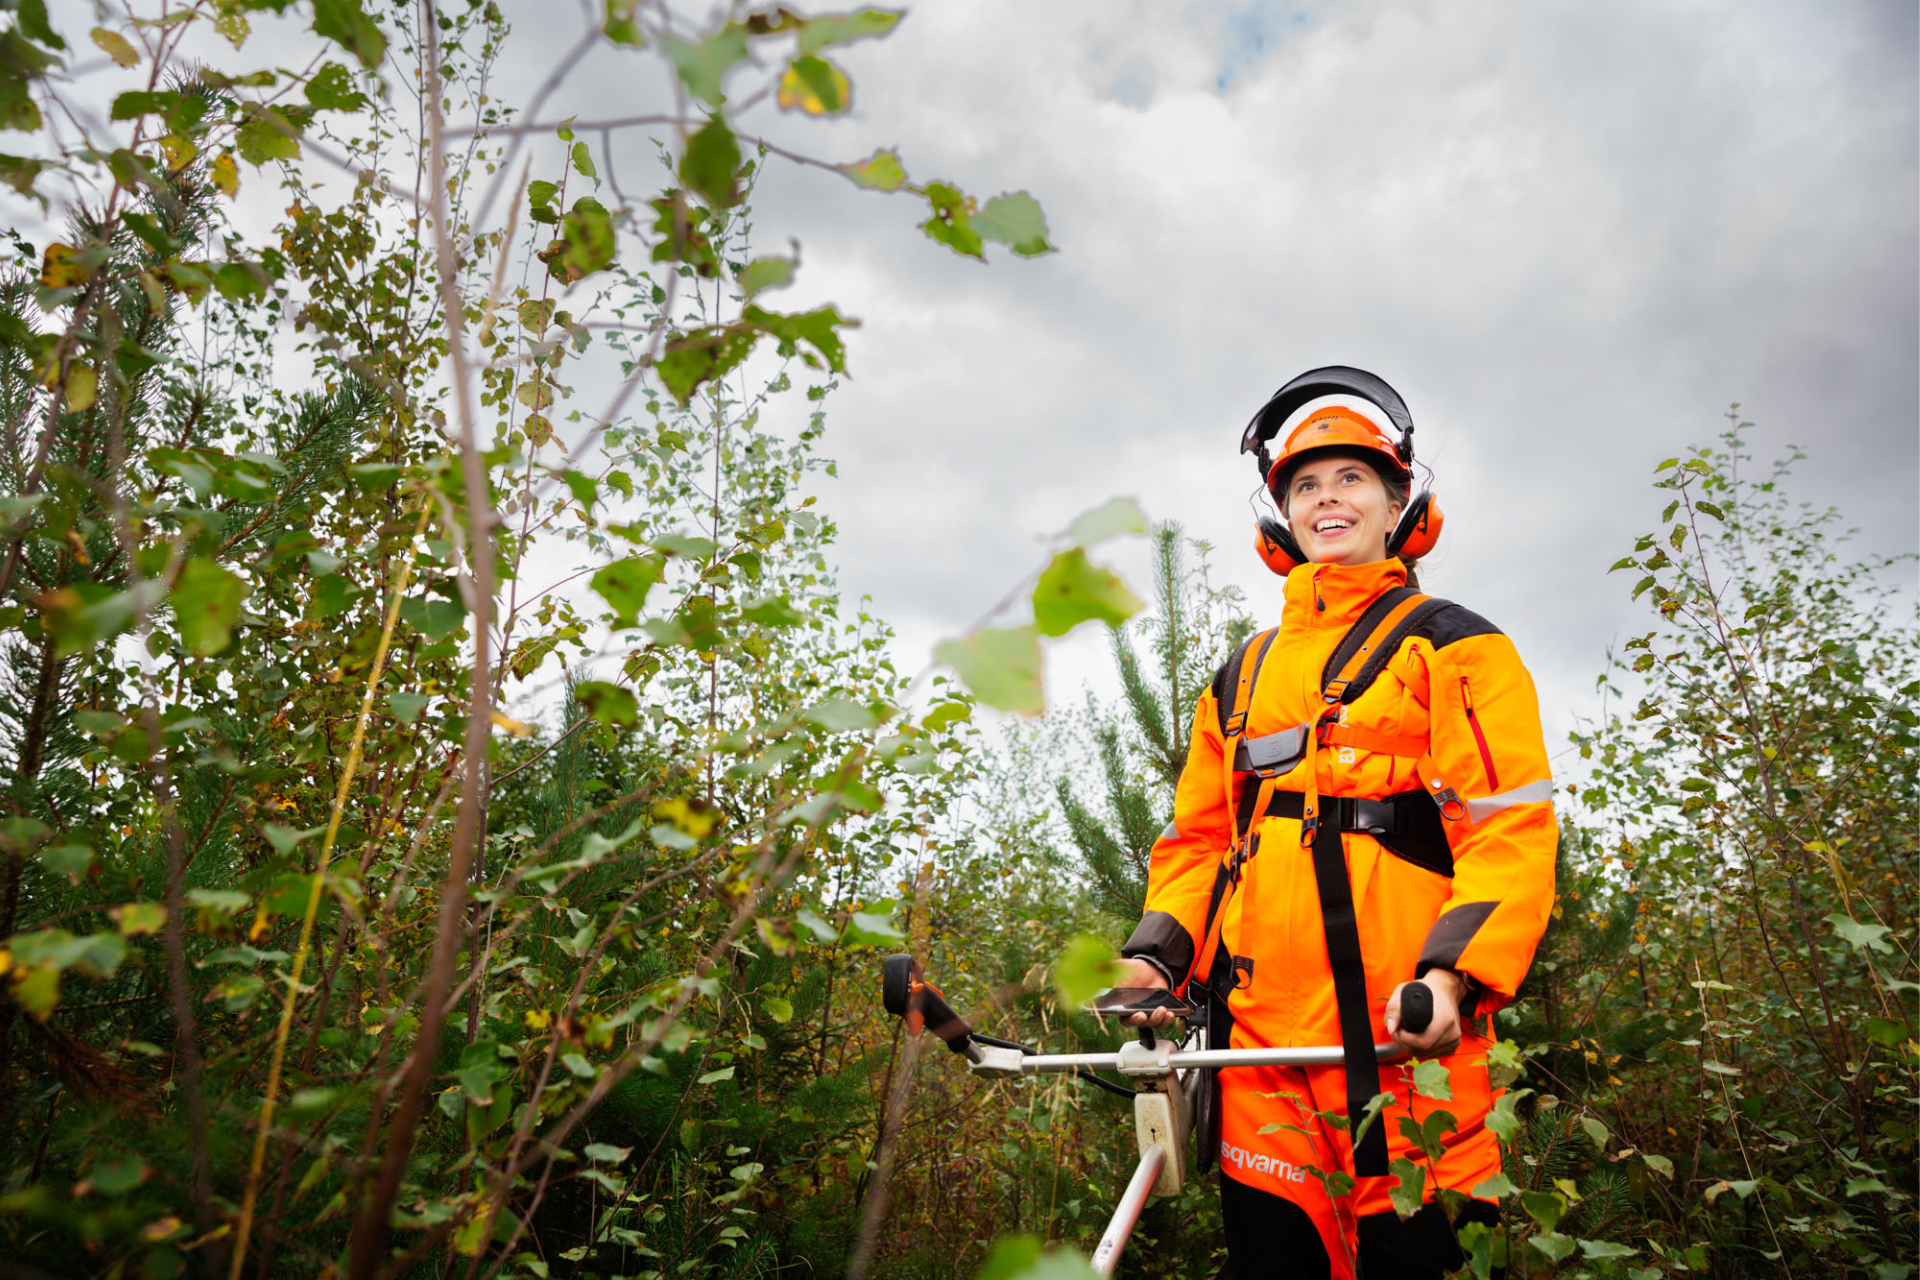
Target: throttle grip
[[1416, 1007]]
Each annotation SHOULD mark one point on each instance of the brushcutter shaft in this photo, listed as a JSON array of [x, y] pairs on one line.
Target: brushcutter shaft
[[1106, 1254], [1181, 1059]]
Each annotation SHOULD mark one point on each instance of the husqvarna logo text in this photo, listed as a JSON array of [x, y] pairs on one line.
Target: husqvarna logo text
[[1254, 1162]]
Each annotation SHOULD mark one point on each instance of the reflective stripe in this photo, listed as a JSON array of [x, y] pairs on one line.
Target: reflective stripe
[[1533, 793]]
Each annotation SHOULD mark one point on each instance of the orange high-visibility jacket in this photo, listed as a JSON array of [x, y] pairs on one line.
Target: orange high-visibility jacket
[[1455, 685]]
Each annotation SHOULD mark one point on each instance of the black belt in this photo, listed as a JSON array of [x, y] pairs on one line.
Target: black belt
[[1407, 824]]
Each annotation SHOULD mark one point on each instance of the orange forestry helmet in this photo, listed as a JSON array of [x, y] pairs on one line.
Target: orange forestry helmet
[[1342, 429]]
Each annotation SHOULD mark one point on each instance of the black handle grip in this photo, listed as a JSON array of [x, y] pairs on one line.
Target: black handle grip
[[903, 991], [1416, 1007]]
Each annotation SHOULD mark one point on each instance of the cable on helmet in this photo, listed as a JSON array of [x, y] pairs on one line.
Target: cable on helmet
[[1336, 427]]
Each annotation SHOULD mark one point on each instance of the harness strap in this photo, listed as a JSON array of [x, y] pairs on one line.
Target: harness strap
[[1376, 630], [1242, 677], [1349, 994], [1392, 744]]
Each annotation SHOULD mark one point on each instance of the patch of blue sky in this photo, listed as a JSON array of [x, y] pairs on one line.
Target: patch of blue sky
[[1251, 30]]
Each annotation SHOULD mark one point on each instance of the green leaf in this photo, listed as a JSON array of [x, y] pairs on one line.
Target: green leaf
[[780, 1010], [711, 165], [331, 89], [1000, 667], [1494, 1188], [206, 602], [765, 273], [65, 859], [838, 715], [117, 1176], [950, 219], [1861, 1186], [589, 242], [1720, 1068], [815, 328], [1605, 1249], [1072, 590], [881, 171], [715, 1077], [1082, 970], [620, 26], [1408, 1192], [624, 585], [133, 105], [604, 1153], [842, 28], [136, 918], [1016, 221], [1545, 1208], [1861, 937], [345, 22], [871, 929], [38, 992], [1120, 516], [286, 839], [260, 143], [1431, 1079], [434, 617], [1020, 1257], [582, 158], [406, 707], [1659, 1164], [947, 713], [818, 927], [703, 355], [608, 703], [773, 611], [1553, 1244], [703, 65]]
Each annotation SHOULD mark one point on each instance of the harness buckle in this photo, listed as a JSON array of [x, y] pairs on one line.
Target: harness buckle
[[1309, 828]]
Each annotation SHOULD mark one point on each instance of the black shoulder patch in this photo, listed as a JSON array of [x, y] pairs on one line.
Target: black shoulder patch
[[1219, 685], [1453, 623]]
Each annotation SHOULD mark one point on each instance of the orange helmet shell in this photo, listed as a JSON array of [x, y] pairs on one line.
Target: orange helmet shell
[[1338, 427]]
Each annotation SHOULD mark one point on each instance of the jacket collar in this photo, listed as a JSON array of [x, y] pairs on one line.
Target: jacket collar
[[1335, 595]]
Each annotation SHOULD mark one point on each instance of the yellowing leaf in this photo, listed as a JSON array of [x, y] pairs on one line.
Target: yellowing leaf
[[82, 385], [58, 270], [518, 728], [815, 86], [226, 175], [179, 150], [881, 171], [116, 47], [137, 918]]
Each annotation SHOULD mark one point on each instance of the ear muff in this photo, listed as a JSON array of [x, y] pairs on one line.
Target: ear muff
[[1276, 546], [1418, 529]]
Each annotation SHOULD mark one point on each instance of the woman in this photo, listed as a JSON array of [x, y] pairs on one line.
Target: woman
[[1365, 805]]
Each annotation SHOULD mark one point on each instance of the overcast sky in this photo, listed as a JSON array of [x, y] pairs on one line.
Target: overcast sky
[[1569, 233]]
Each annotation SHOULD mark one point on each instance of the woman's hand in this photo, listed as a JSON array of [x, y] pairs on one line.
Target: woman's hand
[[1442, 1035], [1138, 973]]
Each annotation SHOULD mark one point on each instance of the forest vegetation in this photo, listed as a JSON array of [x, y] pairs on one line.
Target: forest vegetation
[[453, 819]]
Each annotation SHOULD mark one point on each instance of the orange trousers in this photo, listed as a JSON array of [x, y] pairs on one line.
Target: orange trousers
[[1274, 1138]]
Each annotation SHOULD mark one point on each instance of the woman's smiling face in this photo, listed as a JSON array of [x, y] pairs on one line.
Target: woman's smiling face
[[1340, 511]]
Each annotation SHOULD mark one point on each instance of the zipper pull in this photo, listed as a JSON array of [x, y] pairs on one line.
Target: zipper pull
[[1319, 601]]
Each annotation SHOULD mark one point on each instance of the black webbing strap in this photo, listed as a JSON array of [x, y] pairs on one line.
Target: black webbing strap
[[1360, 633], [1349, 995], [1384, 651]]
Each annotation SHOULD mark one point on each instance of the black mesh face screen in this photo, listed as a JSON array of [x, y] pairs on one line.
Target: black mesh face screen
[[1333, 380]]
